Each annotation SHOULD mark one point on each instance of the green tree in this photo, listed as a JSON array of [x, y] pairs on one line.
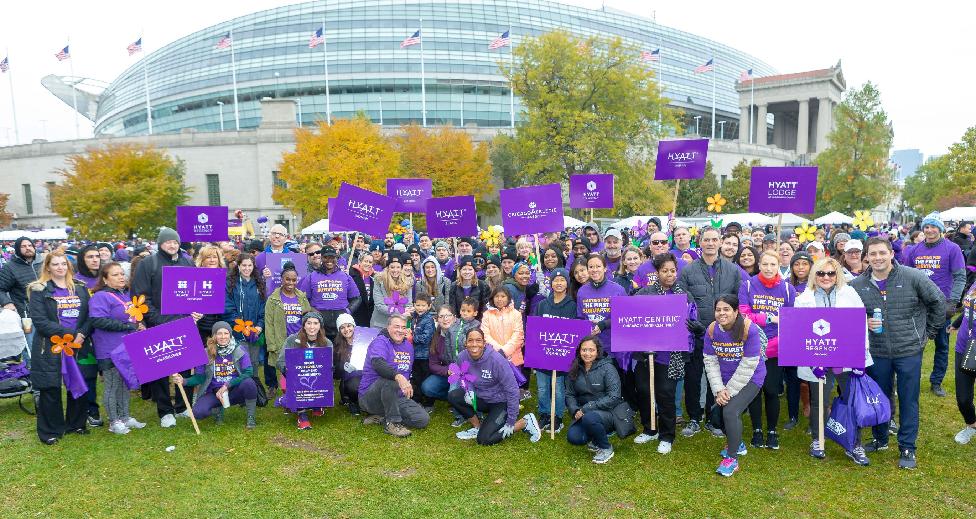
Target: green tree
[[693, 194], [947, 181], [120, 190], [854, 172], [736, 189]]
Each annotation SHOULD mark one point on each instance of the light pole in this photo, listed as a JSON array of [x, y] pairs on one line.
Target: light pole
[[721, 125], [220, 105], [381, 111], [697, 122], [276, 84], [299, 112]]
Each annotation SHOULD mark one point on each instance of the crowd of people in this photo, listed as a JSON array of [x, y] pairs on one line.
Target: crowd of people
[[448, 320]]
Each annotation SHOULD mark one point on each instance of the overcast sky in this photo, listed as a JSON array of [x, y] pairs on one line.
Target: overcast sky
[[916, 53]]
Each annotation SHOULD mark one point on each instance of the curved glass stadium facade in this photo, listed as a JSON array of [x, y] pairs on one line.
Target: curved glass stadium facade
[[190, 79]]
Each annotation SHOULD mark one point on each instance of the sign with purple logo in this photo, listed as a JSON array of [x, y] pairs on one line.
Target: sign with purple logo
[[550, 342], [193, 289], [681, 159], [649, 323], [360, 344], [410, 195], [166, 349], [309, 378], [591, 191], [201, 222], [822, 337], [532, 209], [361, 210], [783, 189], [275, 261], [452, 216]]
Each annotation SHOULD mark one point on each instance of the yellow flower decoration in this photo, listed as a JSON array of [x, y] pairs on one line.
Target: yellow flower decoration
[[806, 232], [715, 203], [863, 220], [693, 231], [491, 236], [398, 229]]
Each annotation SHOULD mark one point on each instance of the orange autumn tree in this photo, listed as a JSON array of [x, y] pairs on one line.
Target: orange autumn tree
[[120, 190], [351, 150], [5, 217]]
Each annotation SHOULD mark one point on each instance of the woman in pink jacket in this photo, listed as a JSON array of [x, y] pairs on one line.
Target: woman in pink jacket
[[502, 325]]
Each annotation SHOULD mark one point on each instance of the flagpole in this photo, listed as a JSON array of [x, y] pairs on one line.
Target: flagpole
[[714, 73], [423, 80], [233, 75], [74, 93], [325, 56], [145, 79], [752, 100], [13, 105], [511, 81]]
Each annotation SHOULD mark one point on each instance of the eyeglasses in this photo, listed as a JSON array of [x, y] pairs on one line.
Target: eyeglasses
[[822, 274], [278, 234], [659, 242], [315, 253]]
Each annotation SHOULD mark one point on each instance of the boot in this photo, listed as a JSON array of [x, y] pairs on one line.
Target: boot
[[805, 398], [251, 406]]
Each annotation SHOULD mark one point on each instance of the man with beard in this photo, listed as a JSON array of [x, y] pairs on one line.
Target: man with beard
[[656, 244], [613, 248], [279, 235], [21, 270]]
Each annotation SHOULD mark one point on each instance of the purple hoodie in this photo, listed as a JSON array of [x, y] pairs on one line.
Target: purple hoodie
[[593, 304], [398, 356], [937, 261], [730, 352], [494, 382], [329, 291], [111, 305], [967, 329]]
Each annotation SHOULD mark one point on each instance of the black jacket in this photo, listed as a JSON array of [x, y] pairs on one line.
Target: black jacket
[[548, 307], [364, 312], [15, 275], [597, 390], [695, 280], [46, 366], [148, 281], [479, 291]]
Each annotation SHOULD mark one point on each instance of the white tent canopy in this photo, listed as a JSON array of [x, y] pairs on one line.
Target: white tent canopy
[[43, 234], [959, 213], [631, 221], [790, 219], [319, 227], [569, 221], [834, 218], [750, 219]]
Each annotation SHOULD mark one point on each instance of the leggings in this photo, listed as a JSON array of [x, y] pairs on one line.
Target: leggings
[[770, 393], [792, 392], [496, 414], [964, 391], [207, 402], [116, 395], [732, 416]]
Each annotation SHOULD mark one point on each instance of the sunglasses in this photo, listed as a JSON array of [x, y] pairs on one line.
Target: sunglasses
[[315, 253], [659, 242], [822, 274]]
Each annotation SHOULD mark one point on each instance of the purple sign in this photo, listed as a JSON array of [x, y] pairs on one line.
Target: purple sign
[[681, 159], [452, 216], [361, 210], [201, 222], [649, 323], [532, 209], [275, 261], [193, 289], [783, 189], [409, 194], [591, 191], [822, 337], [360, 345], [550, 342], [309, 378], [166, 349]]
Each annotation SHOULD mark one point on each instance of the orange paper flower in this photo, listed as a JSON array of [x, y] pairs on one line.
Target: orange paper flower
[[244, 327], [64, 344], [138, 308]]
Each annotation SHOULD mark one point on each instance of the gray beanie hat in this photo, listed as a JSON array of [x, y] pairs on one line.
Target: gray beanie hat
[[166, 234], [220, 325]]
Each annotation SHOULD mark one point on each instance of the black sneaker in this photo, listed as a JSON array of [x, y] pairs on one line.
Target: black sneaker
[[94, 421], [874, 446], [772, 440], [938, 391], [790, 425], [907, 459], [353, 408], [757, 439]]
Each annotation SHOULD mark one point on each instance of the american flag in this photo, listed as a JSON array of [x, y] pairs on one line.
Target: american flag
[[4, 65], [500, 41], [413, 40], [63, 54], [707, 67], [225, 42], [318, 38], [745, 76], [653, 55], [135, 46]]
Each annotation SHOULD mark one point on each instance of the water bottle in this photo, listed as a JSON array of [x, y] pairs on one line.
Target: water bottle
[[877, 315]]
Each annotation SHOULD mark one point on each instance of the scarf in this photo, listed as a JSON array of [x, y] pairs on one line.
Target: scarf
[[824, 298], [770, 282], [225, 351]]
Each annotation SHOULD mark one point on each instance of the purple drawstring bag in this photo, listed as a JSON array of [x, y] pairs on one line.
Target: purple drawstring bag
[[123, 363], [520, 379], [869, 405], [840, 426], [72, 378]]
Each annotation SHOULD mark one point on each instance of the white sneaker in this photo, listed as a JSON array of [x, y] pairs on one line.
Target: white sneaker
[[167, 421], [467, 434], [964, 436], [643, 438], [132, 423], [118, 428], [532, 427], [184, 414], [664, 447]]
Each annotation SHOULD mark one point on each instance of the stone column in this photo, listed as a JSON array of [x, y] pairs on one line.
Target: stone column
[[824, 123], [744, 128], [761, 125], [803, 127]]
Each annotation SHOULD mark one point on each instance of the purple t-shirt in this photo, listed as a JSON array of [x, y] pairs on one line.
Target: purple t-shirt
[[329, 291], [89, 282], [730, 352], [400, 356], [111, 305], [883, 287], [938, 262], [293, 314], [646, 274], [593, 304], [760, 299], [69, 308], [967, 329], [224, 370]]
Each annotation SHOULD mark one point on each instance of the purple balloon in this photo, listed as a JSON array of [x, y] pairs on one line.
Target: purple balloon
[[262, 219], [69, 230]]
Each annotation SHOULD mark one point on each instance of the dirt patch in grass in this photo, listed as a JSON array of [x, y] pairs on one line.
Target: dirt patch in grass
[[283, 441], [405, 472]]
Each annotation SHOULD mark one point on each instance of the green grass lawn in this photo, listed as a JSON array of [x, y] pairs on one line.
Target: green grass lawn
[[343, 469]]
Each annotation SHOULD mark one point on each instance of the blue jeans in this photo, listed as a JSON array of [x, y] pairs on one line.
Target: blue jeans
[[594, 427], [435, 386], [543, 379], [941, 362], [908, 374]]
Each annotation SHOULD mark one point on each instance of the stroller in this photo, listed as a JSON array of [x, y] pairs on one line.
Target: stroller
[[14, 374]]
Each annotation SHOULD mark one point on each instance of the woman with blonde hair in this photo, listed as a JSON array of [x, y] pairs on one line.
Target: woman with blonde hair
[[211, 257], [393, 280]]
